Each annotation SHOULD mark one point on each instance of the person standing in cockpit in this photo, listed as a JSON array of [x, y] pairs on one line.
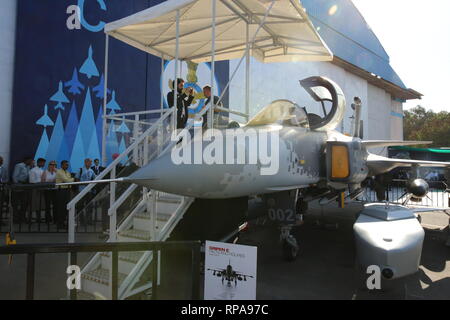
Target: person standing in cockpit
[[184, 100]]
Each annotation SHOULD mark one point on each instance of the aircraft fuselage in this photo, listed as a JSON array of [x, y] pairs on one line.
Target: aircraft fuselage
[[277, 158]]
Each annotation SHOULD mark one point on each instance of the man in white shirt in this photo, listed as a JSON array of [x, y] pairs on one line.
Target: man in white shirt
[[36, 172], [36, 195]]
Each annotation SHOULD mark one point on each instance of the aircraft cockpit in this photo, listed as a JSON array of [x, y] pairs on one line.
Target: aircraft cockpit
[[287, 113], [282, 112], [325, 91]]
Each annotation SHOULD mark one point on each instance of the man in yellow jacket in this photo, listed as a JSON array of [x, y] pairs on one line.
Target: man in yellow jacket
[[63, 198]]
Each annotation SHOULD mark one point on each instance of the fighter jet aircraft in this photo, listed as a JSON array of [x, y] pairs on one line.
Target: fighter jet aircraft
[[74, 84], [45, 120], [59, 96], [284, 154], [313, 160], [229, 275], [99, 90], [89, 68]]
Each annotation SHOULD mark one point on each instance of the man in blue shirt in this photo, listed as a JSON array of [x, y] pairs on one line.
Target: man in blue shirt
[[86, 174], [22, 170]]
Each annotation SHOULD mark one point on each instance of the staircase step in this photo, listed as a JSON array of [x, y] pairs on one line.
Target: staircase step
[[165, 207], [163, 217], [83, 295], [135, 234], [167, 197], [132, 257], [101, 276], [127, 261], [96, 283], [147, 224]]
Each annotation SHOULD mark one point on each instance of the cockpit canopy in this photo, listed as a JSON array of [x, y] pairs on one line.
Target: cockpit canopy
[[287, 113], [282, 112]]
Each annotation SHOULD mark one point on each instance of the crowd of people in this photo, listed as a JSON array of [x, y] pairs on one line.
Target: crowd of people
[[53, 200], [45, 197]]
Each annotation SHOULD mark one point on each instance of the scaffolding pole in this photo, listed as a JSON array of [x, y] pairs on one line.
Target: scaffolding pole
[[213, 66], [177, 54], [105, 102], [162, 84], [247, 74]]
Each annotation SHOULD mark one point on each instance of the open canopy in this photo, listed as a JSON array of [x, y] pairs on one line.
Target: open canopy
[[287, 34]]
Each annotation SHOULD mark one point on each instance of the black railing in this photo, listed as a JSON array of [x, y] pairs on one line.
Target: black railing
[[396, 192], [114, 248], [4, 200], [42, 208]]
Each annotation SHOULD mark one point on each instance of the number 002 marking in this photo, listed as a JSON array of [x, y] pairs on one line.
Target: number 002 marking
[[281, 215]]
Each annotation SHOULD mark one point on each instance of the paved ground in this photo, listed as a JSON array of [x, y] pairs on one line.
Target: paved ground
[[324, 270]]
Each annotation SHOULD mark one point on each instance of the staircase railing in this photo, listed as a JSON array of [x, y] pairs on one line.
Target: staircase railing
[[141, 155], [126, 288], [138, 152]]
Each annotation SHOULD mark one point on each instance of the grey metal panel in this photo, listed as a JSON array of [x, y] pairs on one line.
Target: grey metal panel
[[396, 245], [387, 212]]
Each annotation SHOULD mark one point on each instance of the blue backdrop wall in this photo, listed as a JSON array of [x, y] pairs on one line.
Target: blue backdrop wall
[[58, 84]]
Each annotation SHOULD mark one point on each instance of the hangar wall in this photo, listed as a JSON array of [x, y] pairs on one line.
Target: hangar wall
[[7, 44], [59, 83], [397, 120], [379, 116]]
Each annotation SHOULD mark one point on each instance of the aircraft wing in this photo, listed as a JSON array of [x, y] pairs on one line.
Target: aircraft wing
[[391, 143], [378, 164], [243, 275], [217, 270], [427, 209]]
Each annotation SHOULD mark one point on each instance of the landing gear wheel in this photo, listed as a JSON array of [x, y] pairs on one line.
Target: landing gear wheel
[[290, 249]]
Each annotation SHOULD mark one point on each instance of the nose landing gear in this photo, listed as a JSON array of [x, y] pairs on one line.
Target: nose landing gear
[[289, 244], [286, 209]]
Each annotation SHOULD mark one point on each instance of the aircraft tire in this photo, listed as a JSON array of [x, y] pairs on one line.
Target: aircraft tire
[[290, 252]]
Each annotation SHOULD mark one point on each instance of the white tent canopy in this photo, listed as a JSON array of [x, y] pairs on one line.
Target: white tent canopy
[[287, 34]]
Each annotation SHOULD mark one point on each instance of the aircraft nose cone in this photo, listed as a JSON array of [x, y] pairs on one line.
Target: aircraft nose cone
[[163, 175], [153, 171]]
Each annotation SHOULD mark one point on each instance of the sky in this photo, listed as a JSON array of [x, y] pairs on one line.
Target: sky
[[416, 36]]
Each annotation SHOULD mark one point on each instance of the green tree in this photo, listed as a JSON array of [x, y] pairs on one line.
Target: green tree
[[422, 125]]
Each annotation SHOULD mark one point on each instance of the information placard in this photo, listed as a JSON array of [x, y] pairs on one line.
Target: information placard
[[230, 271]]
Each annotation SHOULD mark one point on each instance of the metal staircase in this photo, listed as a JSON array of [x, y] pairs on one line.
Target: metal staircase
[[140, 225], [152, 217]]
